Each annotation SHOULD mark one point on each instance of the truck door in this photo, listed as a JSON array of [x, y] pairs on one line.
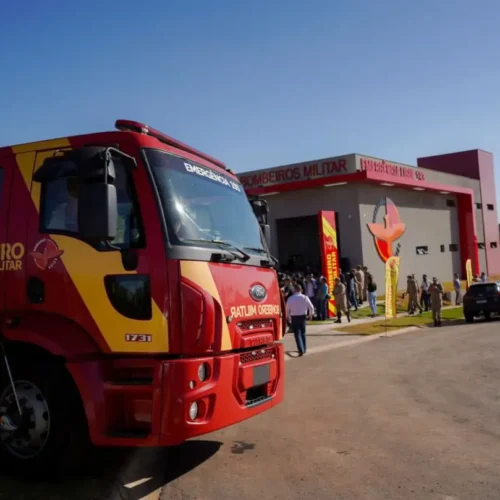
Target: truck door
[[99, 288]]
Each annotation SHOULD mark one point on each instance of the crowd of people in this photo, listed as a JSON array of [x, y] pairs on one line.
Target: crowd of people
[[431, 296], [307, 295], [351, 290]]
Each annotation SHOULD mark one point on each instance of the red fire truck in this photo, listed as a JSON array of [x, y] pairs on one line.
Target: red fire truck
[[139, 301]]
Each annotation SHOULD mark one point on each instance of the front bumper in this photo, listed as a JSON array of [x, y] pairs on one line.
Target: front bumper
[[145, 401]]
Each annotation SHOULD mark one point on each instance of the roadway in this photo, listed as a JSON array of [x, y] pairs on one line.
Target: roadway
[[413, 416]]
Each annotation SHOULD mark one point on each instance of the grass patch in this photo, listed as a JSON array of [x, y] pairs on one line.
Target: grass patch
[[382, 326], [361, 313], [366, 312]]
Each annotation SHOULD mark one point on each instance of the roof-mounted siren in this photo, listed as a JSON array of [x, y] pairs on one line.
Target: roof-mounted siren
[[132, 126]]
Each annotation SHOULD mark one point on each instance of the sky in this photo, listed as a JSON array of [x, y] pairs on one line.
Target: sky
[[258, 84]]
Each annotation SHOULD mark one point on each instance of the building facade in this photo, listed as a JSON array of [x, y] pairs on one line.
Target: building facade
[[434, 216]]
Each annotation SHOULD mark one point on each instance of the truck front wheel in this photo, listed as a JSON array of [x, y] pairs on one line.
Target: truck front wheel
[[51, 430]]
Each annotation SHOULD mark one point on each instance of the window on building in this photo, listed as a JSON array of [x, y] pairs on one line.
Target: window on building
[[479, 206], [59, 212], [451, 203], [481, 246], [453, 247], [490, 206], [493, 244], [443, 248], [422, 250]]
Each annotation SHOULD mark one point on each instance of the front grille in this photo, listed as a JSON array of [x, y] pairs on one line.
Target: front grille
[[255, 324], [257, 355]]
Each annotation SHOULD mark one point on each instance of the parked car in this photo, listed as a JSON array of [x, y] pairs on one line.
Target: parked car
[[481, 299]]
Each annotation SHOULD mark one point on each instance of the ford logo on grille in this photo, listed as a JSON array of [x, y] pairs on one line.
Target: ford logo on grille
[[258, 293]]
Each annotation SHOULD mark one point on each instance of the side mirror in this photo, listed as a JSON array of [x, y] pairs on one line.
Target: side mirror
[[266, 231], [260, 209], [97, 212]]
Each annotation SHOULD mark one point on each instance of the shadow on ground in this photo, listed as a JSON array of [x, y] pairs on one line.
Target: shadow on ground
[[112, 474]]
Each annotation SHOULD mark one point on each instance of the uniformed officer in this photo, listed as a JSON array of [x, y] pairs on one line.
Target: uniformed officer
[[360, 283], [341, 301], [436, 291], [412, 291]]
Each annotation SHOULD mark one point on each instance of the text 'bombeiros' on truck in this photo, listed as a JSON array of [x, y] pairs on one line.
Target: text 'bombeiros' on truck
[[139, 301]]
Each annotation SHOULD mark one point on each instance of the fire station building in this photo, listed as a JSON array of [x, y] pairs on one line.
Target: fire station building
[[434, 216]]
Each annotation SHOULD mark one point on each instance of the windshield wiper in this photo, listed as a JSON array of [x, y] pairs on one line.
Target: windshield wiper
[[272, 261], [226, 246], [259, 250]]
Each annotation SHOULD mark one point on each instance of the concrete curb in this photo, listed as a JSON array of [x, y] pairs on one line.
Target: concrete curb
[[362, 340]]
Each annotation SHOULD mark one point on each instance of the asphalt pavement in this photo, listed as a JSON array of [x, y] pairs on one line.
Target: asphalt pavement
[[413, 416]]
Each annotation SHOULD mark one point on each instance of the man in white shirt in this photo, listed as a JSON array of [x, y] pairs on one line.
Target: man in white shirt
[[298, 309]]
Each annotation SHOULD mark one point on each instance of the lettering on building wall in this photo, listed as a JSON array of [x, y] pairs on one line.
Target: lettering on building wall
[[11, 255], [295, 173], [255, 310], [391, 169]]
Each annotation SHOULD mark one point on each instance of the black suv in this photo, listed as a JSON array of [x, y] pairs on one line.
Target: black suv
[[482, 299]]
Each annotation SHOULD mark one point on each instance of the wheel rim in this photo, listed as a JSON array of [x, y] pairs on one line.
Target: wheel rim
[[33, 432]]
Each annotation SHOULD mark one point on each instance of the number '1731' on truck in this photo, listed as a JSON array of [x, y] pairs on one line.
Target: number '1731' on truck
[[139, 301]]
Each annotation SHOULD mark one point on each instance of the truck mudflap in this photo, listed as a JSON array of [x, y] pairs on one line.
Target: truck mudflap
[[154, 402]]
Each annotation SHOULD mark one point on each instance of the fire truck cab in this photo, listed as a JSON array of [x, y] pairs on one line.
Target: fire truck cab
[[138, 298]]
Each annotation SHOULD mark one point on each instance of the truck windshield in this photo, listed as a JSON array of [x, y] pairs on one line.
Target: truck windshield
[[203, 206]]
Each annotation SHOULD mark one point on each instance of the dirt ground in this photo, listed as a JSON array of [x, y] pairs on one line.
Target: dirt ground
[[414, 416]]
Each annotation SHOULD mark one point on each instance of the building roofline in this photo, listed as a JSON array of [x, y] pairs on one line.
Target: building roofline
[[455, 153]]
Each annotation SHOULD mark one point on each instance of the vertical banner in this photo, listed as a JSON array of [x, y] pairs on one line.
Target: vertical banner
[[391, 286], [329, 255], [468, 272]]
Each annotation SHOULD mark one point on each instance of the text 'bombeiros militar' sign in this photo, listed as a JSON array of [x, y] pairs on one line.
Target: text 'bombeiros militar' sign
[[299, 172]]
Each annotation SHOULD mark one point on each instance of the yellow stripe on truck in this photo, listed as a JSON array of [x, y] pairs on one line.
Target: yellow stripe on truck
[[87, 268], [53, 144], [199, 273]]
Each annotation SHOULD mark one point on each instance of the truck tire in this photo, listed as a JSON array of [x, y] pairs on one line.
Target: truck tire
[[52, 432], [487, 316]]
